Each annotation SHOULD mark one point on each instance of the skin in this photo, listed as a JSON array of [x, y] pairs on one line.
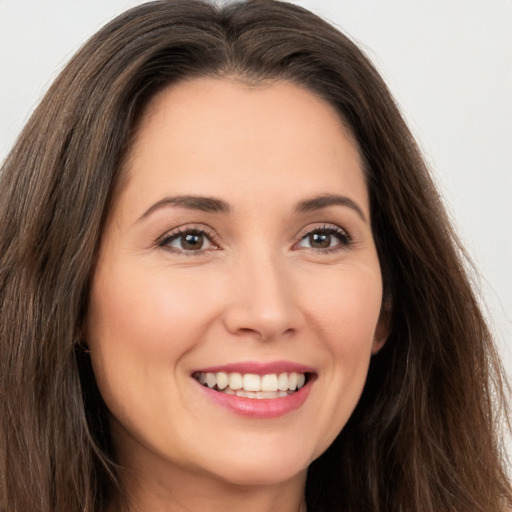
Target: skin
[[258, 290]]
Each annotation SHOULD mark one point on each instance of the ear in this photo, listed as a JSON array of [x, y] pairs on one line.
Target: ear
[[383, 326]]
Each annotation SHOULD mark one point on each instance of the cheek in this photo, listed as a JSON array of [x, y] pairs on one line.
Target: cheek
[[147, 311], [346, 307], [141, 327], [346, 313], [142, 324]]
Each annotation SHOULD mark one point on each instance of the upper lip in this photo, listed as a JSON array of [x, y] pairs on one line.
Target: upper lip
[[258, 368]]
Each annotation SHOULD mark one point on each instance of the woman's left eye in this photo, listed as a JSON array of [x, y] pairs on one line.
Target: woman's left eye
[[190, 241], [326, 238]]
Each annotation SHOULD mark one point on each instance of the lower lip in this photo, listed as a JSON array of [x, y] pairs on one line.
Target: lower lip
[[261, 408]]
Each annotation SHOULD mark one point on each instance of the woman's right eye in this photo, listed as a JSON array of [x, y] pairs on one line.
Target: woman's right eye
[[187, 241]]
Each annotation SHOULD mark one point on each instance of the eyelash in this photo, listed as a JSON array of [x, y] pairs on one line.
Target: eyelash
[[345, 240], [176, 234], [343, 237]]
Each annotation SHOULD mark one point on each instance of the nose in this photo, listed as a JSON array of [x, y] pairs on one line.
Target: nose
[[264, 303]]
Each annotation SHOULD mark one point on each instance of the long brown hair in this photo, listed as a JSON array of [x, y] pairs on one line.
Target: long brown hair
[[425, 434]]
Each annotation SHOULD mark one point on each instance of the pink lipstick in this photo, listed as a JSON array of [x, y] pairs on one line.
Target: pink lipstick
[[255, 389]]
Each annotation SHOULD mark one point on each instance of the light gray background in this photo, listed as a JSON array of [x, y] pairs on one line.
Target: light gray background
[[449, 64]]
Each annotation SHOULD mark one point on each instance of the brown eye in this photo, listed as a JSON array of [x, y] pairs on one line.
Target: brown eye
[[187, 241], [192, 242], [327, 238], [319, 240]]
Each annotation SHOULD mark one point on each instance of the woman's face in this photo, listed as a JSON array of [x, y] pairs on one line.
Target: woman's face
[[238, 259]]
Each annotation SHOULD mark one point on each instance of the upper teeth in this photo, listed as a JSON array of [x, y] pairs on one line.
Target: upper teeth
[[252, 382]]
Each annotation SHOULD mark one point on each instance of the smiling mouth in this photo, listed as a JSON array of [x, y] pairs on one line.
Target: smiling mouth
[[251, 385]]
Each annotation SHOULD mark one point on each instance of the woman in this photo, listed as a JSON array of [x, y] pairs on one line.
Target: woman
[[228, 281]]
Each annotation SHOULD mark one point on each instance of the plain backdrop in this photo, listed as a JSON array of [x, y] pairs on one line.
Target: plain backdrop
[[448, 63]]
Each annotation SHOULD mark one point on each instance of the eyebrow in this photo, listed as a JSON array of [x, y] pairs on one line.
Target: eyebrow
[[214, 205], [324, 201], [201, 203]]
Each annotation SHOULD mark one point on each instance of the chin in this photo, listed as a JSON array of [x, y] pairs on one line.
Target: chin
[[264, 477], [262, 470]]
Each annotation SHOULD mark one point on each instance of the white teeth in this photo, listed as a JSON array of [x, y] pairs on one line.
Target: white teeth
[[260, 394], [235, 381], [222, 380], [252, 382], [269, 382], [282, 382], [211, 380], [252, 385], [292, 381]]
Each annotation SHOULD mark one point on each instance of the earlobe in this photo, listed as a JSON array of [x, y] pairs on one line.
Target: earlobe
[[383, 328]]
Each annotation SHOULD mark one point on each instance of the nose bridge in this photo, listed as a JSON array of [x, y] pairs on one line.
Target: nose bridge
[[263, 292]]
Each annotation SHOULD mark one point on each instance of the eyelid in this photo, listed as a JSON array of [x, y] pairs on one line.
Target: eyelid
[[345, 237], [162, 241]]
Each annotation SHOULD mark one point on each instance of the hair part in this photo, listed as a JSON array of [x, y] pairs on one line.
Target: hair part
[[425, 434]]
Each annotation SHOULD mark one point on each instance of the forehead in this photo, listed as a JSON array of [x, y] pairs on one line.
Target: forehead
[[213, 133]]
